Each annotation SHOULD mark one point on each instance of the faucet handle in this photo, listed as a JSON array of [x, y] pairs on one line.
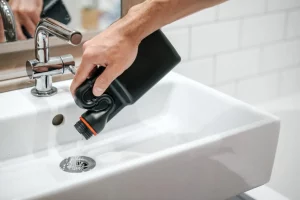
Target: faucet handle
[[69, 63], [55, 66]]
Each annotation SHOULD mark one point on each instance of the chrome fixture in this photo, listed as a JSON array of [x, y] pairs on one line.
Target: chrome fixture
[[8, 21], [43, 67], [77, 164]]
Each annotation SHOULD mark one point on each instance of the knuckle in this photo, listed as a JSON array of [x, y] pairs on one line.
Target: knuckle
[[103, 81], [26, 11], [16, 11], [88, 53], [31, 12], [22, 11], [85, 45]]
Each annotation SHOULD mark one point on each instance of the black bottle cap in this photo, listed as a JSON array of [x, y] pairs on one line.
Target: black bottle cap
[[83, 130]]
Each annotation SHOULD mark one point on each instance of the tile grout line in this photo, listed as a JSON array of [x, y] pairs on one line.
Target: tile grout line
[[285, 31], [236, 88], [240, 34], [190, 43], [265, 13], [266, 6], [274, 71], [214, 69], [280, 79], [217, 14], [235, 50]]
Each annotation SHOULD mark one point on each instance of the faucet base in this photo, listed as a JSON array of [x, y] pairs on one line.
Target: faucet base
[[49, 93]]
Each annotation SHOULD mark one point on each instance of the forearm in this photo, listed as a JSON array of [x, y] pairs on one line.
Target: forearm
[[116, 48], [145, 18]]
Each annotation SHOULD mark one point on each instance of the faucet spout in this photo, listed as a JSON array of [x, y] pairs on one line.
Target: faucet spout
[[48, 25], [8, 21]]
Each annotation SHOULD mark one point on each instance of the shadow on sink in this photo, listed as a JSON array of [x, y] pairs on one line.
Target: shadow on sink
[[152, 104]]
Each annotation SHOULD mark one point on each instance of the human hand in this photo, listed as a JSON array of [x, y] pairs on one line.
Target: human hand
[[27, 13], [2, 37], [113, 49]]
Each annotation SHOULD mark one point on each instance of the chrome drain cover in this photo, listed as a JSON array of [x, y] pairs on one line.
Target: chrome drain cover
[[77, 164]]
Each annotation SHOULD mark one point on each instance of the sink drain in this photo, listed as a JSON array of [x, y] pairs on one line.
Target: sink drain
[[77, 164]]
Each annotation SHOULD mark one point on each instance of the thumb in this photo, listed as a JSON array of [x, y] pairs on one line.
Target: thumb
[[105, 79]]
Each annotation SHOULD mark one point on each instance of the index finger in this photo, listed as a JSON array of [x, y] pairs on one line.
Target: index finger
[[90, 59], [19, 31], [82, 73], [2, 37]]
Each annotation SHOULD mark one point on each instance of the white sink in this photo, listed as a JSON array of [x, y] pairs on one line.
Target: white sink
[[182, 140]]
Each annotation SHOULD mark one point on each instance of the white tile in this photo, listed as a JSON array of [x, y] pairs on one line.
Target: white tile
[[293, 24], [198, 70], [180, 39], [263, 29], [214, 38], [290, 81], [282, 4], [236, 65], [207, 15], [228, 88], [240, 8], [280, 55], [258, 89]]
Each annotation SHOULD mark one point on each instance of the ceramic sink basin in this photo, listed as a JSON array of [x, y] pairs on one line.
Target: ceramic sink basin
[[181, 140]]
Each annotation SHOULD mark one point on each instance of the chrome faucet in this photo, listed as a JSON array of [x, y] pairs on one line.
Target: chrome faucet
[[43, 67], [8, 21]]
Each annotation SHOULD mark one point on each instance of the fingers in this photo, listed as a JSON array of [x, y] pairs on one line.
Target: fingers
[[36, 20], [15, 8], [2, 37], [81, 75], [89, 60], [29, 25], [105, 79], [34, 16], [27, 15], [19, 31]]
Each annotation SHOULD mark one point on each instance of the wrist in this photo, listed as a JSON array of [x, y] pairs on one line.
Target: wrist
[[142, 19]]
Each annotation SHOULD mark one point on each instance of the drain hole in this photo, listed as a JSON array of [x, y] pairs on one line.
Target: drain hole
[[82, 164], [77, 164], [58, 120]]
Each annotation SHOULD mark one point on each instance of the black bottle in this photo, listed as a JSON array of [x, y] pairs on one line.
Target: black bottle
[[156, 57]]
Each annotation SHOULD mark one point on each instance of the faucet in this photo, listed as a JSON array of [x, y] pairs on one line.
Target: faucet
[[43, 67], [8, 21]]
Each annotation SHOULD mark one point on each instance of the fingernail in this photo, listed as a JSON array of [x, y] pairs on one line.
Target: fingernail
[[98, 91]]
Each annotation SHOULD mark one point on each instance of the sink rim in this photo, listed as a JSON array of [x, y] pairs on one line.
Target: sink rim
[[213, 140]]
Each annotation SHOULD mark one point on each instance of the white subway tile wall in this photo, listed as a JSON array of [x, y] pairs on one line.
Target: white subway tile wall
[[198, 70], [262, 29], [238, 64], [249, 49], [282, 4], [290, 81], [281, 55], [180, 39], [214, 38], [258, 89], [207, 15], [229, 88], [240, 8], [293, 24]]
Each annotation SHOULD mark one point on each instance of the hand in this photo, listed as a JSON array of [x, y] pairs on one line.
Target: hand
[[2, 36], [113, 49], [27, 13]]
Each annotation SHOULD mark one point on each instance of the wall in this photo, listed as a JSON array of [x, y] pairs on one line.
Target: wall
[[249, 49], [111, 11]]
